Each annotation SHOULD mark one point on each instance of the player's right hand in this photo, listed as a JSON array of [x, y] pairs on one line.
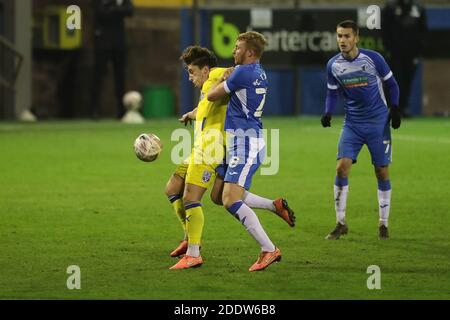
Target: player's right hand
[[185, 118], [326, 120], [227, 73]]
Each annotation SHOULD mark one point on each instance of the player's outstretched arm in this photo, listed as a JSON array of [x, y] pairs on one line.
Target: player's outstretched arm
[[218, 90]]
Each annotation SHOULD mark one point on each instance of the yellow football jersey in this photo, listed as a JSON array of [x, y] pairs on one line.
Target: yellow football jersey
[[211, 114], [208, 152], [209, 124]]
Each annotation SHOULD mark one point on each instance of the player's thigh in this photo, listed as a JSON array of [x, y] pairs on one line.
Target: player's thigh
[[175, 185], [244, 159], [350, 143], [182, 168], [380, 146]]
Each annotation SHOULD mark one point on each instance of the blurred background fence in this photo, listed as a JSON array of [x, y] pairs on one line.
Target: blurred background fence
[[56, 64]]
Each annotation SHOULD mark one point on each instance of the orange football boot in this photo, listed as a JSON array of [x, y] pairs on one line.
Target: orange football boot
[[188, 262], [181, 249], [284, 212], [265, 259]]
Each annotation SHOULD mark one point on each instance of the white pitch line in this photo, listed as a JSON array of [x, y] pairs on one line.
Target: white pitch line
[[421, 139], [394, 135]]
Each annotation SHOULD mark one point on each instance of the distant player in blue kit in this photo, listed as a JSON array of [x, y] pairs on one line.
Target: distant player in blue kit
[[359, 75], [247, 87]]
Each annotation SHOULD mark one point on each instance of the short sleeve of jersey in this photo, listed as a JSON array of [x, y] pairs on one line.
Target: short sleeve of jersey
[[235, 81], [380, 64], [214, 76], [332, 83]]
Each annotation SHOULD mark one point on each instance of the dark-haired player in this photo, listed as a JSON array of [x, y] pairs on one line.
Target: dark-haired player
[[196, 174]]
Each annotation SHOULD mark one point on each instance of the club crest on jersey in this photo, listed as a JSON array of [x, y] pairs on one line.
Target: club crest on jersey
[[206, 176], [234, 162]]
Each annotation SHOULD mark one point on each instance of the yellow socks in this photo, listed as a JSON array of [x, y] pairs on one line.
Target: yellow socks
[[178, 206], [194, 223]]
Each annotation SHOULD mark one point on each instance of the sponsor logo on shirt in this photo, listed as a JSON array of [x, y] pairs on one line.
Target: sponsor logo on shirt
[[355, 82]]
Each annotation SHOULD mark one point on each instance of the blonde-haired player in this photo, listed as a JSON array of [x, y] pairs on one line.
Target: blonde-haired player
[[196, 174]]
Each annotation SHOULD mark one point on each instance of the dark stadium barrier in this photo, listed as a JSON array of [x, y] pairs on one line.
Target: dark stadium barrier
[[297, 77]]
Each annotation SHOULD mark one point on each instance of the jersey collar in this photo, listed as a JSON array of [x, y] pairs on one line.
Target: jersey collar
[[351, 60]]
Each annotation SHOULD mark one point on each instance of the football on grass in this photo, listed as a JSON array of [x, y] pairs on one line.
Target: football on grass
[[147, 147]]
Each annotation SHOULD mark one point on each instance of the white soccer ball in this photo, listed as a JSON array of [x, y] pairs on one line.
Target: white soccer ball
[[147, 147], [132, 100]]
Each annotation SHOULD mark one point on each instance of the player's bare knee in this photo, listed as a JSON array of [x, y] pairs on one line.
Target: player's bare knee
[[175, 185], [227, 204], [342, 171], [169, 189], [343, 167], [382, 173], [188, 198], [227, 201]]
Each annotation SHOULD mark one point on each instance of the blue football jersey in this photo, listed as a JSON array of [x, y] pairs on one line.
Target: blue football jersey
[[361, 82], [247, 87]]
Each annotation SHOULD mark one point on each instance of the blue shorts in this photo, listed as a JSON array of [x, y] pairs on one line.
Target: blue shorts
[[244, 156], [377, 139]]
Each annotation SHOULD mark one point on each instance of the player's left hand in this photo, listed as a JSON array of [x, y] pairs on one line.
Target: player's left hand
[[186, 118], [394, 114], [326, 120]]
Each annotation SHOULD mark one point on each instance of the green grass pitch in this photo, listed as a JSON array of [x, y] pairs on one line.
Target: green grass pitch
[[73, 193]]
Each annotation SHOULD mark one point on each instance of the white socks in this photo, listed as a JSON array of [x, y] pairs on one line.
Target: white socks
[[340, 199], [340, 202], [257, 202], [251, 223], [193, 250], [384, 202]]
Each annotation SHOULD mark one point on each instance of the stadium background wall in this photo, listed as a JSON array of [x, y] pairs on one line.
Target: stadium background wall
[[61, 78], [297, 72]]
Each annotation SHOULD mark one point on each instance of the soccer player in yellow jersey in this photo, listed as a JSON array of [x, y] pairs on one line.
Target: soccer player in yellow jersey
[[196, 174]]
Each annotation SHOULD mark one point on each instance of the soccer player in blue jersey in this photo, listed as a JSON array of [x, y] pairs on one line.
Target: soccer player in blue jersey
[[360, 74], [191, 179], [247, 87]]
